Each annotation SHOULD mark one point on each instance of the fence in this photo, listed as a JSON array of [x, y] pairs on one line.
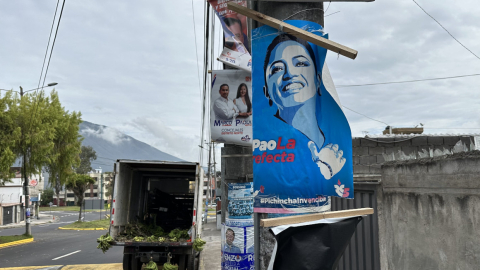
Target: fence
[[363, 251]]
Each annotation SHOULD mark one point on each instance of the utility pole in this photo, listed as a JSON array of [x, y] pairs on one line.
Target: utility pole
[[101, 194], [28, 229], [209, 181]]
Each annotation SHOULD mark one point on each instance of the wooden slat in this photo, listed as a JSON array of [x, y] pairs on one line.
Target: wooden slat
[[272, 222], [295, 31]]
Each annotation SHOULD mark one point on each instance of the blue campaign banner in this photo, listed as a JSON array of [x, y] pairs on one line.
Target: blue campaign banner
[[302, 143], [240, 200], [237, 248]]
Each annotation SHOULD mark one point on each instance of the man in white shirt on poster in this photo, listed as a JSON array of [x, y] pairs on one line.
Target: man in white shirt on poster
[[224, 107]]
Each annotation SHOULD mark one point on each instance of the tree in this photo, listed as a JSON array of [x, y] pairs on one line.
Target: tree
[[78, 183], [9, 134], [47, 196], [110, 184], [67, 143], [87, 154]]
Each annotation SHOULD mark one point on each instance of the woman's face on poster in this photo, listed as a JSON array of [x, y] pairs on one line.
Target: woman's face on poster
[[290, 75], [243, 91]]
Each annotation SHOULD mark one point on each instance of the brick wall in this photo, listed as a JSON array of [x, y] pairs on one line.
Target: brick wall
[[369, 153]]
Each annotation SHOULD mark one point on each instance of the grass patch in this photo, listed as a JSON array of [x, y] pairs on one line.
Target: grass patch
[[70, 208], [8, 239], [103, 223]]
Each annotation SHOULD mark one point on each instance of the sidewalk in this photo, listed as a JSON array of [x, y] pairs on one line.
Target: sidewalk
[[44, 218], [210, 257]]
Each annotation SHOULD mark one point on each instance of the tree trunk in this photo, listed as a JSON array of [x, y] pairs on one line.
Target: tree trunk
[[80, 202]]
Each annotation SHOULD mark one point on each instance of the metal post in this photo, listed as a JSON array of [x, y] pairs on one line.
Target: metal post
[[28, 229], [208, 181]]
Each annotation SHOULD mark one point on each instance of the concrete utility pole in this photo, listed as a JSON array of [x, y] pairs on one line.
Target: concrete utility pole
[[28, 229], [209, 199]]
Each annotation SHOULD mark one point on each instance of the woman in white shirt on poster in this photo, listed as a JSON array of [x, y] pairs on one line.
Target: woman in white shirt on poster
[[242, 101]]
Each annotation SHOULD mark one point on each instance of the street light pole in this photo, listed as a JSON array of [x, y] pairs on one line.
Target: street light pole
[[26, 190], [28, 229]]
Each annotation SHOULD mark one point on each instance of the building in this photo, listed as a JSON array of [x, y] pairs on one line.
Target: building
[[12, 199], [102, 180]]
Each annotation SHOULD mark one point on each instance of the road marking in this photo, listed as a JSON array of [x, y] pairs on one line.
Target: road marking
[[66, 255]]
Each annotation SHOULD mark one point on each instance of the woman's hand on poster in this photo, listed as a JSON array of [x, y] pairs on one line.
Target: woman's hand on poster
[[330, 159]]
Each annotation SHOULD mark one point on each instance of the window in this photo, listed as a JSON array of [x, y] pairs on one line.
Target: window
[[70, 195], [95, 186]]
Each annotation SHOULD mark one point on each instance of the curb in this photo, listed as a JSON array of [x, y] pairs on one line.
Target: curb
[[22, 224], [14, 243], [201, 265], [82, 229]]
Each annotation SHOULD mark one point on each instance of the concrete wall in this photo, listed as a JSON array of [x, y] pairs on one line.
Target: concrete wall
[[369, 153], [429, 213]]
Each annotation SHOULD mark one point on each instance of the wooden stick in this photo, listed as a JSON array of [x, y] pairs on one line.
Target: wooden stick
[[272, 222], [292, 30]]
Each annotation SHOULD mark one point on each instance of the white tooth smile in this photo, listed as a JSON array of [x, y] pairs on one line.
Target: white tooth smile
[[294, 86]]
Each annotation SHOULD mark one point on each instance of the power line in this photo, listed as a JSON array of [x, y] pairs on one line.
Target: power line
[[328, 7], [332, 13], [365, 115], [419, 80], [445, 29], [106, 158], [48, 65], [196, 50], [48, 44]]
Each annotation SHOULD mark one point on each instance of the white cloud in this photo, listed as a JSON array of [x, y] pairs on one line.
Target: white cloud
[[107, 133], [181, 143], [132, 65]]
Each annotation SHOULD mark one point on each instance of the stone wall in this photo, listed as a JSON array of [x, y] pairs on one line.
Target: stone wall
[[429, 215], [370, 153]]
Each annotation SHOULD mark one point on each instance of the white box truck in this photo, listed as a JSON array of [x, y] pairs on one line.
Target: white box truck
[[169, 191]]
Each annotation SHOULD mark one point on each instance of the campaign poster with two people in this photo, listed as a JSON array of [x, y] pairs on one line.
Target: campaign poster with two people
[[302, 144], [231, 107]]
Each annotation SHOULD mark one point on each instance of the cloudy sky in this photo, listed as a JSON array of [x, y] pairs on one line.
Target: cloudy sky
[[132, 66]]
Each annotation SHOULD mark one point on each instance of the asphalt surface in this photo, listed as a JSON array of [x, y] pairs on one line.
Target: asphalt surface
[[54, 247]]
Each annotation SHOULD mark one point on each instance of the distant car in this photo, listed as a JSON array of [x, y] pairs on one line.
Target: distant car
[[214, 205]]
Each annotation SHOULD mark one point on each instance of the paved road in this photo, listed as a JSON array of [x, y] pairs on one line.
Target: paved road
[[51, 244]]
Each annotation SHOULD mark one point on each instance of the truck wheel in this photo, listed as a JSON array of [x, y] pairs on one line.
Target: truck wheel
[[191, 262], [127, 260]]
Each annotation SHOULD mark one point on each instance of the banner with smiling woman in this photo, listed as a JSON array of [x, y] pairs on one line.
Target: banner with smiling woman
[[302, 144], [236, 51]]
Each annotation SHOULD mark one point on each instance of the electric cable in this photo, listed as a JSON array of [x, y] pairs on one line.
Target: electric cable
[[48, 44], [410, 81], [328, 6], [365, 115], [446, 30], [332, 13], [48, 65], [196, 50]]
